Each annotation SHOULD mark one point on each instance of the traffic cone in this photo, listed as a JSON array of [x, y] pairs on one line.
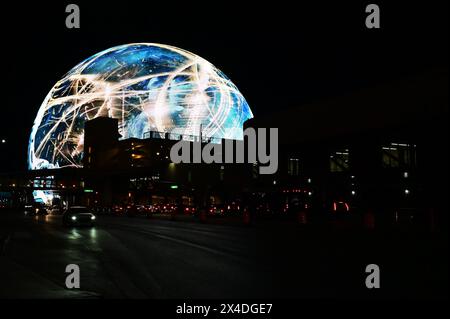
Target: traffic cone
[[203, 216], [246, 217], [302, 218], [369, 220]]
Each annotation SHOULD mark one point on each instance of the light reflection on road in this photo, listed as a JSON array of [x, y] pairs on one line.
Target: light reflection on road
[[74, 234], [93, 235]]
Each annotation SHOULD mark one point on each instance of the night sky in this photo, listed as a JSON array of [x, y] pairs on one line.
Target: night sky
[[279, 57]]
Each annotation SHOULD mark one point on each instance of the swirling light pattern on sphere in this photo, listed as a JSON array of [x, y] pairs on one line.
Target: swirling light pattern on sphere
[[147, 87]]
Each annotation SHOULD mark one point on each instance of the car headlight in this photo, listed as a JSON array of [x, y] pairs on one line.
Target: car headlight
[[74, 217], [92, 217]]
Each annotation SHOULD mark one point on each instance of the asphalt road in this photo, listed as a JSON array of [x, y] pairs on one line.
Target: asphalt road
[[125, 257]]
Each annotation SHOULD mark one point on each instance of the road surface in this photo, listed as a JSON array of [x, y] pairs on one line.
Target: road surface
[[125, 257]]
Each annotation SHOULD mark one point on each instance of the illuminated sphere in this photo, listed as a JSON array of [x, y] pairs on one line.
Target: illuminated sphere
[[147, 87]]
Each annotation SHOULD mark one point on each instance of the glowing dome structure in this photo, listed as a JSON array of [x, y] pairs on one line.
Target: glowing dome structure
[[147, 87]]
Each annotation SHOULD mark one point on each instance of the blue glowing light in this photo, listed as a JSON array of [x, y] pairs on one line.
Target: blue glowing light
[[147, 87]]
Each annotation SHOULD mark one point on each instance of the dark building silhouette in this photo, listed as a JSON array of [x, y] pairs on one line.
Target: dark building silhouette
[[382, 151], [100, 138], [140, 170]]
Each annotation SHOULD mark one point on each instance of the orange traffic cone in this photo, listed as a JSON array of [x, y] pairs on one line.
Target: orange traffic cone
[[302, 217], [369, 219], [203, 216], [246, 217]]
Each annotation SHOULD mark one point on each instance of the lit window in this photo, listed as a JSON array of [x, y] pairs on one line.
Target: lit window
[[339, 161], [255, 170], [397, 155], [294, 167], [222, 172]]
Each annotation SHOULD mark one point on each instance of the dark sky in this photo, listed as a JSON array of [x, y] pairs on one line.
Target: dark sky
[[279, 55]]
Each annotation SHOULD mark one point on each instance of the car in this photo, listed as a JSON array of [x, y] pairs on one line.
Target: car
[[165, 208], [264, 209], [410, 218], [142, 210], [169, 209], [146, 210], [189, 210], [102, 210], [131, 210], [29, 210], [216, 210], [340, 208], [36, 209], [57, 210], [118, 210], [340, 213], [78, 216], [233, 209]]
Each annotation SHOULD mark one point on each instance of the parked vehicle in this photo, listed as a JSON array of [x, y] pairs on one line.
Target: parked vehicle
[[189, 210], [36, 209], [216, 210], [340, 209], [57, 210], [118, 210], [131, 210]]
